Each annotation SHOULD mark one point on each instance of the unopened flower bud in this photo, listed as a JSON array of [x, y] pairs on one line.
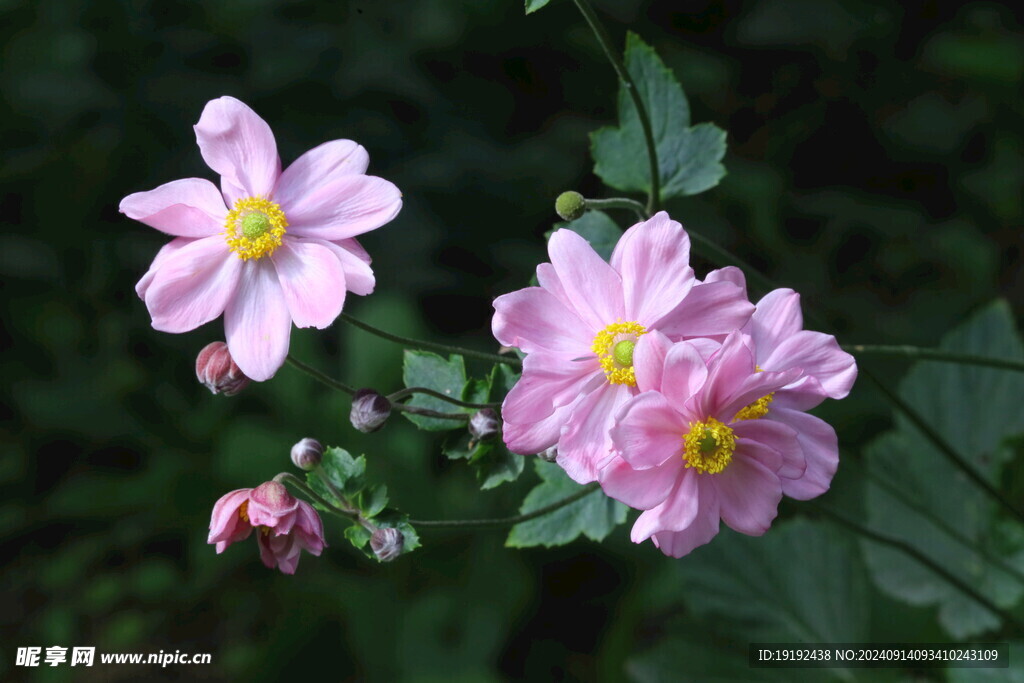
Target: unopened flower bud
[[549, 454], [307, 454], [369, 410], [570, 205], [387, 544], [484, 424], [216, 370]]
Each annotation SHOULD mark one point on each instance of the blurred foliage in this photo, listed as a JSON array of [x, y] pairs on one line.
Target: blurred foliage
[[874, 164]]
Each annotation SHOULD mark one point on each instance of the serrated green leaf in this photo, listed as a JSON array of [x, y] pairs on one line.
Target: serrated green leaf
[[689, 158], [494, 464], [597, 228], [976, 410], [358, 536], [447, 376], [348, 474], [593, 516], [507, 378], [372, 500], [534, 5]]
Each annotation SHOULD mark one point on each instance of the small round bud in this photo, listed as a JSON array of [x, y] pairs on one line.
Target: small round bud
[[307, 454], [570, 205], [387, 544], [484, 424], [369, 410], [217, 371], [549, 454]]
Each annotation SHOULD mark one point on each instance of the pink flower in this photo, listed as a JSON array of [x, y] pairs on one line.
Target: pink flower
[[580, 326], [286, 525], [267, 249], [692, 449]]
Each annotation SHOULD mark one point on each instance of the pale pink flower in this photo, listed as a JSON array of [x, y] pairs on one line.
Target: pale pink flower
[[579, 328], [692, 449], [285, 525], [267, 249]]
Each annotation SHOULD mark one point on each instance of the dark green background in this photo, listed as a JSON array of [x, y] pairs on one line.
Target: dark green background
[[875, 165]]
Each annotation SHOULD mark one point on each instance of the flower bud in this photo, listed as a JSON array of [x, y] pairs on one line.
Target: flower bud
[[217, 371], [387, 544], [570, 205], [549, 454], [307, 454], [484, 424], [369, 410]]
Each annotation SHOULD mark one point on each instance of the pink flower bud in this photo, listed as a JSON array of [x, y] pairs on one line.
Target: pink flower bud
[[369, 410], [307, 454], [484, 424], [387, 543], [216, 370]]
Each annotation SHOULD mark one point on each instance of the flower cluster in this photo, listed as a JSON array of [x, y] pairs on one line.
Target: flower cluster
[[678, 395]]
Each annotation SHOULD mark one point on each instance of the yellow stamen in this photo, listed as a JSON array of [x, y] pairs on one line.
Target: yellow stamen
[[709, 446], [254, 228], [243, 511], [758, 408], [614, 347]]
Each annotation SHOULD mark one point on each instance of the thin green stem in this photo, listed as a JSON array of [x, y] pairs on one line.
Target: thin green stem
[[913, 552], [920, 353], [409, 391], [654, 196], [430, 346], [427, 412], [320, 377], [617, 203], [936, 439], [501, 522]]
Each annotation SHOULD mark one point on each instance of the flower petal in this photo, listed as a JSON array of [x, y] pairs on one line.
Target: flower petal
[[548, 382], [820, 449], [532, 319], [548, 279], [591, 285], [640, 489], [191, 207], [239, 145], [749, 495], [536, 437], [819, 356], [711, 308], [585, 446], [776, 318], [146, 280], [684, 375], [359, 277], [320, 166], [648, 432], [312, 280], [729, 274], [678, 511], [781, 438], [653, 260], [257, 325], [345, 207], [700, 532], [224, 519], [193, 285], [649, 360]]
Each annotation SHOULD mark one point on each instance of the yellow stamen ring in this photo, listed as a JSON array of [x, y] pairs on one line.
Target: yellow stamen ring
[[254, 228], [614, 347]]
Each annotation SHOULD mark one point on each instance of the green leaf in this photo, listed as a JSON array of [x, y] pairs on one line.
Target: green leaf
[[594, 515], [494, 464], [359, 537], [425, 369], [348, 474], [977, 411], [597, 228], [534, 5], [689, 158]]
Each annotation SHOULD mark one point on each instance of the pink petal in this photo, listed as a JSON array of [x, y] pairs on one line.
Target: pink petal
[[818, 355], [820, 449], [653, 260], [679, 510], [548, 382], [257, 325], [648, 432], [351, 244], [729, 274], [191, 207], [780, 438], [733, 382], [649, 360], [640, 489], [345, 207], [593, 288], [174, 245], [711, 308], [532, 319], [536, 437], [684, 375], [776, 318], [320, 166], [585, 446], [225, 515], [749, 495], [239, 145], [359, 277], [548, 279], [681, 543], [312, 280], [193, 285]]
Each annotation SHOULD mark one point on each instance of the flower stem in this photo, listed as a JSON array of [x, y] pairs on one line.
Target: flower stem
[[929, 433], [919, 353], [431, 346], [427, 412], [617, 203], [408, 391], [320, 377], [500, 522], [897, 544], [654, 196]]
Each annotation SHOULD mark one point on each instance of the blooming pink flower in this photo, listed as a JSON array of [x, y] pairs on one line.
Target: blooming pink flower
[[692, 449], [286, 526], [267, 249], [580, 326]]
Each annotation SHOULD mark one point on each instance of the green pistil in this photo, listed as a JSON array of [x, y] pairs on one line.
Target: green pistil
[[623, 352], [255, 224]]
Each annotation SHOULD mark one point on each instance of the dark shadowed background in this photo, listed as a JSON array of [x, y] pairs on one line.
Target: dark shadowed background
[[875, 165]]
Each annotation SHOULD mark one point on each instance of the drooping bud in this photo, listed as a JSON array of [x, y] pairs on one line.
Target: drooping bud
[[369, 410], [217, 371], [307, 454], [549, 454], [484, 424], [570, 205], [387, 544]]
